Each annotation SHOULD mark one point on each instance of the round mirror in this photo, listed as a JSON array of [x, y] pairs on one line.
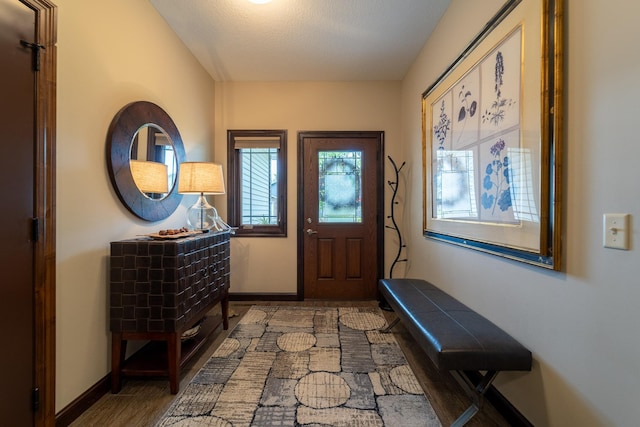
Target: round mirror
[[144, 149], [153, 161]]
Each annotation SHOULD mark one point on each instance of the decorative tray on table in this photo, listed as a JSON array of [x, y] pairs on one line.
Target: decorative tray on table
[[175, 233]]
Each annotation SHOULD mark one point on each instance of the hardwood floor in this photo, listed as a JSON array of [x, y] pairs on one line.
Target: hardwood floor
[[141, 402]]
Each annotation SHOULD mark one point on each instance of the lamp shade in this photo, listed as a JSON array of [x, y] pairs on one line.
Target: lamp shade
[[200, 178], [150, 177]]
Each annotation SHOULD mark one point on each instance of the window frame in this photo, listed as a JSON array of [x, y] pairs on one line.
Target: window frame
[[234, 187]]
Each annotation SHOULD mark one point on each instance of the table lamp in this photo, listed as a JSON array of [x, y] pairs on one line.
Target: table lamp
[[201, 178]]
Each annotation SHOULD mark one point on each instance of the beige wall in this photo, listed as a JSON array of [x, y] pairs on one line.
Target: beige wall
[[581, 324], [269, 264], [110, 53]]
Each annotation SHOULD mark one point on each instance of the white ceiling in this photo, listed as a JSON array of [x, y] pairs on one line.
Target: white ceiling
[[303, 40]]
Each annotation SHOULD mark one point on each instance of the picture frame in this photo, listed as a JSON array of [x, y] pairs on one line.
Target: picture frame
[[492, 139]]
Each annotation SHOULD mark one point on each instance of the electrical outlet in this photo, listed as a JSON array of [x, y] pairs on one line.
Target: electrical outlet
[[615, 231]]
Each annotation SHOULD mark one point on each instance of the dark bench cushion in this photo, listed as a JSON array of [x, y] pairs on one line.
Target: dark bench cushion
[[453, 336]]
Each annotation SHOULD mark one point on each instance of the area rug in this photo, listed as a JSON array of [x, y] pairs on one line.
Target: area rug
[[305, 366]]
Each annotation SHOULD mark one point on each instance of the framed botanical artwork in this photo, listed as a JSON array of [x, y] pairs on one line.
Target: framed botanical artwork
[[492, 126]]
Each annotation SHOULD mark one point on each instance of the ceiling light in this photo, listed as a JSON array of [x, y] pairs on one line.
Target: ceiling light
[[260, 1]]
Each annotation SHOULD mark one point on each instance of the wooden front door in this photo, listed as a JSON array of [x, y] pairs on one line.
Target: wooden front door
[[17, 113], [27, 217], [340, 225]]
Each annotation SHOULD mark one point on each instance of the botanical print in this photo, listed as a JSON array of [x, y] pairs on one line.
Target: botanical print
[[465, 104], [454, 185], [496, 198], [491, 155], [441, 112], [496, 180], [476, 123], [500, 72], [522, 165]]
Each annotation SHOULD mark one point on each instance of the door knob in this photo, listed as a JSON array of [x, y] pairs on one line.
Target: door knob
[[310, 232]]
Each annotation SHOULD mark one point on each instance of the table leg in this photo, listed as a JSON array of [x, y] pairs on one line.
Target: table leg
[[225, 312], [118, 350], [174, 347]]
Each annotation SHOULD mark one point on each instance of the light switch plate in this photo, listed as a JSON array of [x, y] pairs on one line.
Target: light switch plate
[[615, 231]]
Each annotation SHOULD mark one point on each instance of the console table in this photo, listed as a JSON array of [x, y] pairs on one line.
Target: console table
[[160, 289]]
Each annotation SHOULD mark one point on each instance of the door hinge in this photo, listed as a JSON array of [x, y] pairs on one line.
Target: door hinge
[[35, 229], [35, 49], [36, 399]]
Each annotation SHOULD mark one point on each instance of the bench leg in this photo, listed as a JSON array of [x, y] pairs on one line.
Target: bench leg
[[466, 416], [476, 391], [391, 325]]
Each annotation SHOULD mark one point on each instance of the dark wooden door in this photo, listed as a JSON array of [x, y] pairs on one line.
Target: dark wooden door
[[17, 166], [340, 227]]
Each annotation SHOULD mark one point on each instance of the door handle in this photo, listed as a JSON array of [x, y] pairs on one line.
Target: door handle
[[310, 231]]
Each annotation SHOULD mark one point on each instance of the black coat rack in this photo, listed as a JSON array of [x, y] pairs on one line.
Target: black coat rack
[[394, 226]]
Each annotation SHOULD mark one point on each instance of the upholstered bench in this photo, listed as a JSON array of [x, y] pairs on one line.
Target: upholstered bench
[[455, 338]]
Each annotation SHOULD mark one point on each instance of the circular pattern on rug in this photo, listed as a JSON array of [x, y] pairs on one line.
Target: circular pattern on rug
[[254, 316], [403, 377], [296, 341], [363, 321], [228, 346], [321, 390]]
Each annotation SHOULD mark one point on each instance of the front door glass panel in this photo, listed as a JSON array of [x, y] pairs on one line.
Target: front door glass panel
[[340, 186]]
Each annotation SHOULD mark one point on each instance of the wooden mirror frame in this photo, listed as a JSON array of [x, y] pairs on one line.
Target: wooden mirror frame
[[122, 130]]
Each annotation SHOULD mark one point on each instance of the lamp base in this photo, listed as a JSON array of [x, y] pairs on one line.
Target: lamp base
[[202, 216]]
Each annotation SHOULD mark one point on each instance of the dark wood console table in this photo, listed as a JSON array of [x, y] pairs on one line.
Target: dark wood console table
[[160, 289]]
